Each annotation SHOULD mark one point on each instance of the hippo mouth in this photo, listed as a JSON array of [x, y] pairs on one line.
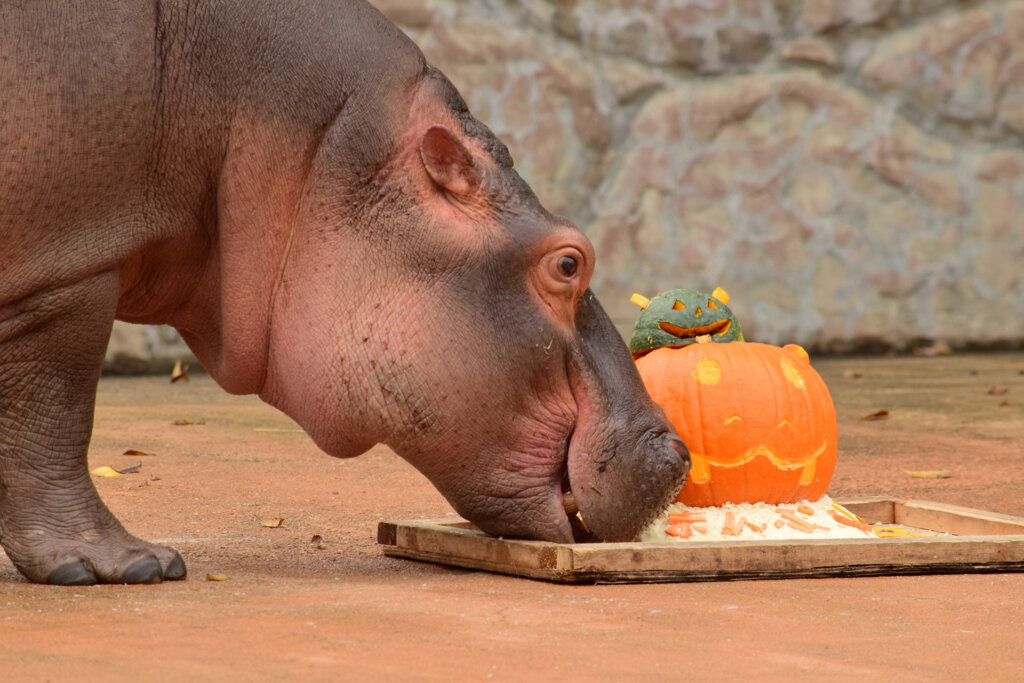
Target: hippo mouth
[[580, 533], [715, 329]]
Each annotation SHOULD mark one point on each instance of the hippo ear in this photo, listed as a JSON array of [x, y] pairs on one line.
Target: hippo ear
[[448, 162]]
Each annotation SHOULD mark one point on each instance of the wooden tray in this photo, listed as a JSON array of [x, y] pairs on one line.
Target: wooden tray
[[982, 542]]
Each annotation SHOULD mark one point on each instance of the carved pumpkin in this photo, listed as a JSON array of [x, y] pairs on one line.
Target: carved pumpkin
[[758, 420], [677, 317]]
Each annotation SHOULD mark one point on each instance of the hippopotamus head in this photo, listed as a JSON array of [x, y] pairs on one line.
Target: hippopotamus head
[[436, 306]]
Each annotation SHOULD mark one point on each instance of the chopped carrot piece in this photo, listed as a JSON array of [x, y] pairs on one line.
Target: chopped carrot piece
[[797, 523], [801, 526], [779, 523], [686, 517], [733, 526], [756, 528], [700, 527], [805, 509], [679, 530], [843, 519]]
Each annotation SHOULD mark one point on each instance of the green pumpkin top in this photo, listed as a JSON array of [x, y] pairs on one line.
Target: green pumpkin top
[[677, 317]]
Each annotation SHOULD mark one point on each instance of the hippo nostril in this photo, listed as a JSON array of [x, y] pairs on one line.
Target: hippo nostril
[[679, 447]]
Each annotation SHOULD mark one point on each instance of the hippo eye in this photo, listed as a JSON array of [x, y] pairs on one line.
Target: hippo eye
[[567, 266]]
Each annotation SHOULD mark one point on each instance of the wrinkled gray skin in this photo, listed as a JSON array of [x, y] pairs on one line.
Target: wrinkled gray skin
[[293, 188]]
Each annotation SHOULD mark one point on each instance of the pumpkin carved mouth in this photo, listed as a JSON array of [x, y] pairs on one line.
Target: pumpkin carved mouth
[[700, 467], [715, 329]]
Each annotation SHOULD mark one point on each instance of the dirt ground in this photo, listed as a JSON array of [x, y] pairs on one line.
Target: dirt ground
[[289, 611]]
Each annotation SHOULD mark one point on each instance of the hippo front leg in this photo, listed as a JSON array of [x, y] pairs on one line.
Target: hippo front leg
[[53, 524]]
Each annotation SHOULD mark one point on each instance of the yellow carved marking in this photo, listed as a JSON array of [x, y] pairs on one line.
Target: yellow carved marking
[[784, 422], [678, 305], [640, 300], [700, 471], [712, 304], [809, 463], [807, 476], [697, 313], [721, 295], [798, 351], [792, 374], [732, 418], [708, 371]]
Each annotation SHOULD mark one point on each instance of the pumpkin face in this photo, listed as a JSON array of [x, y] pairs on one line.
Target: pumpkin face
[[677, 317], [758, 420]]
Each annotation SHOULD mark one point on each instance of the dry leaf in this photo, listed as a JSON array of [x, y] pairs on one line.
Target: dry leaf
[[930, 474], [183, 422], [216, 577], [317, 542], [877, 415], [1003, 404], [131, 451], [131, 470], [273, 522], [179, 372], [933, 350], [106, 471], [852, 374], [997, 391]]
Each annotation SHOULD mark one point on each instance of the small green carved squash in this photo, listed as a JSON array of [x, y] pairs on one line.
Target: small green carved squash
[[677, 317]]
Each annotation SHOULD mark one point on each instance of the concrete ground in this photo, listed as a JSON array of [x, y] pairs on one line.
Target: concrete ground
[[291, 611]]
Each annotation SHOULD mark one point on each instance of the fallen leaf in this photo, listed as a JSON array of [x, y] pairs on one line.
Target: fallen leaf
[[852, 374], [216, 577], [179, 372], [877, 415], [997, 391], [933, 350], [930, 474], [317, 542], [273, 522], [1003, 404], [131, 470], [106, 471], [183, 422], [131, 451]]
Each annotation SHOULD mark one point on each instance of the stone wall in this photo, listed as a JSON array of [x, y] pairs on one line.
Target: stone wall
[[850, 171]]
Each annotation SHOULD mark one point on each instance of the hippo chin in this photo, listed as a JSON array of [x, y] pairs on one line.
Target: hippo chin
[[312, 205]]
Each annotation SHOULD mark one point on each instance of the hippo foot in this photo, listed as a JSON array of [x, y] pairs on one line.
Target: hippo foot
[[145, 569], [107, 554]]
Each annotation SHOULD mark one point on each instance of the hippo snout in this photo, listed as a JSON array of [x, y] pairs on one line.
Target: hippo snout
[[622, 491]]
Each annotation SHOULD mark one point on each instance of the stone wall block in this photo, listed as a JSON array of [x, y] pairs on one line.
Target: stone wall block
[[718, 104]]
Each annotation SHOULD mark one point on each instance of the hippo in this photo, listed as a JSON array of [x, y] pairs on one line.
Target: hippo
[[313, 207]]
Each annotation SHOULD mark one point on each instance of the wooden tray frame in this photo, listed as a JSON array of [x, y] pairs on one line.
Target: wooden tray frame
[[981, 542]]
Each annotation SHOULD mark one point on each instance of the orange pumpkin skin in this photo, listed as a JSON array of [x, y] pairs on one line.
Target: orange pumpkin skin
[[758, 420]]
